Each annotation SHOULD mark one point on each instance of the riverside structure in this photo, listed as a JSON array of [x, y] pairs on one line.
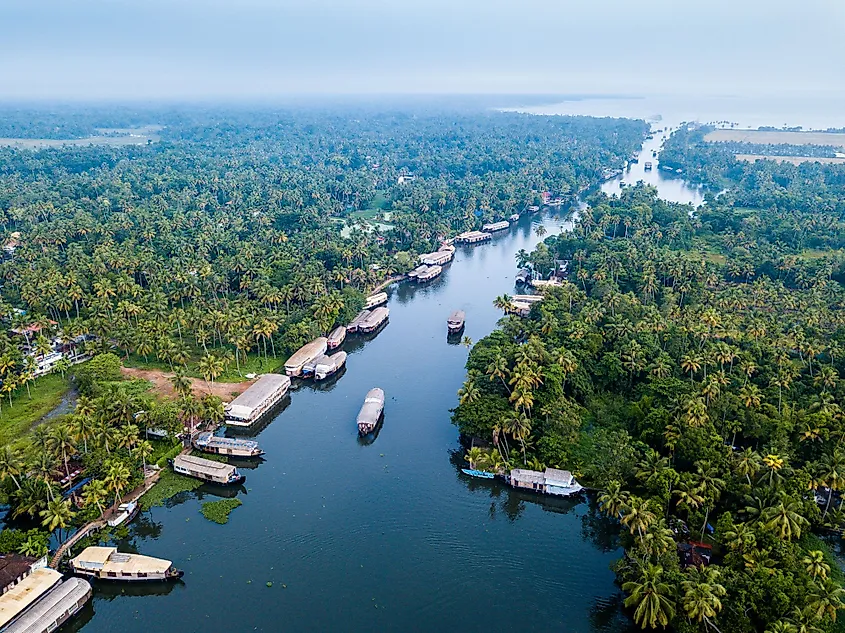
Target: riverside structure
[[257, 400]]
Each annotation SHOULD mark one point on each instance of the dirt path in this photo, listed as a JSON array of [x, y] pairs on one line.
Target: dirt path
[[162, 385]]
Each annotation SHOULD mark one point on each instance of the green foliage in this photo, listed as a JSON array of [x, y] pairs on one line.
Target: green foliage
[[92, 375], [169, 485], [13, 541], [16, 420], [219, 511]]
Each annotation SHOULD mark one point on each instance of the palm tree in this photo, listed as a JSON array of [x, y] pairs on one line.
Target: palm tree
[[94, 494], [63, 443], [701, 595], [651, 597], [498, 368], [785, 519], [740, 538], [469, 392], [832, 474], [117, 478], [815, 564], [781, 626], [11, 464], [826, 600], [57, 514], [614, 500], [747, 463], [638, 516], [474, 455], [44, 468], [144, 450], [82, 428]]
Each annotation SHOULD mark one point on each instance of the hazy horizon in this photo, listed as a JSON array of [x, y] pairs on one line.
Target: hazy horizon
[[188, 50]]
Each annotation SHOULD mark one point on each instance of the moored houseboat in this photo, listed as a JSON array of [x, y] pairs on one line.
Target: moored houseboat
[[371, 410], [125, 513], [374, 320], [207, 470], [106, 563], [329, 365], [375, 300], [456, 321], [257, 400], [42, 602], [432, 272], [545, 283], [523, 276], [416, 272], [306, 353], [492, 227], [437, 259], [355, 323], [336, 338], [473, 237], [208, 442], [552, 481]]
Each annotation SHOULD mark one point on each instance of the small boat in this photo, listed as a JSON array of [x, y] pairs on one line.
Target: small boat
[[337, 337], [477, 473], [125, 513], [207, 470], [648, 165], [207, 442], [329, 365], [106, 563], [371, 410], [514, 217], [456, 321]]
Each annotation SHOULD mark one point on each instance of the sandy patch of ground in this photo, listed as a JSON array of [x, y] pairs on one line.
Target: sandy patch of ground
[[773, 137], [162, 385], [795, 160]]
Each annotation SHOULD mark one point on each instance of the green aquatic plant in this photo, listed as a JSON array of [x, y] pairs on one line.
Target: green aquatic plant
[[219, 511]]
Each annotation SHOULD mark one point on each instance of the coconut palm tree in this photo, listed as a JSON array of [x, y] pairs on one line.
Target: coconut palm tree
[[63, 443], [614, 500], [826, 600], [638, 516], [11, 464], [785, 519], [57, 514], [651, 598], [95, 494], [473, 456], [815, 564], [117, 478], [702, 593]]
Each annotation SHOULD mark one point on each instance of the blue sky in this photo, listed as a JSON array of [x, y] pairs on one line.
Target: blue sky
[[90, 49]]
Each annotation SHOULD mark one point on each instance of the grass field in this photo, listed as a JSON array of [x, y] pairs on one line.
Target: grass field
[[253, 364], [795, 160], [117, 137], [17, 420], [777, 138]]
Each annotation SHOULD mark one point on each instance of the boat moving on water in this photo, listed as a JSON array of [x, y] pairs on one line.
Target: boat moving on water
[[207, 442], [456, 321], [106, 563], [207, 470], [371, 410]]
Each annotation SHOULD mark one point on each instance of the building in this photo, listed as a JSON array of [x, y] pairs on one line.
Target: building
[[14, 568], [257, 399], [551, 482]]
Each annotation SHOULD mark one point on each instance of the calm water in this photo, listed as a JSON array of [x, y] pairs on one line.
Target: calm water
[[388, 536]]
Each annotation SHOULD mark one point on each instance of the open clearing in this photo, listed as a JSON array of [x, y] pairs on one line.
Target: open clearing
[[114, 137], [766, 137], [160, 380], [795, 160]]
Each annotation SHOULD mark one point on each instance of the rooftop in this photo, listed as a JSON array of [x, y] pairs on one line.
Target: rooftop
[[207, 466], [260, 390], [51, 607], [110, 560], [13, 566], [302, 355], [27, 591]]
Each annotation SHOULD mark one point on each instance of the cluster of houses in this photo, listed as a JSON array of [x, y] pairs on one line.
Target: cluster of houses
[[45, 360]]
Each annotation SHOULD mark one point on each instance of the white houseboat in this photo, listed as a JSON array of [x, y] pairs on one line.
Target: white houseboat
[[207, 470], [306, 353], [551, 482], [356, 322], [432, 272], [336, 338], [207, 442], [42, 602], [329, 365], [456, 321], [438, 258], [106, 563], [371, 410], [496, 226], [473, 237], [374, 320], [376, 300], [265, 392]]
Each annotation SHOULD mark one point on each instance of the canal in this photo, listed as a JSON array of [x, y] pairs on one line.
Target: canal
[[337, 534]]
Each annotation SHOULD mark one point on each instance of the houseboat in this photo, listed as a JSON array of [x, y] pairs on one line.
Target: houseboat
[[106, 563], [375, 300], [527, 298], [253, 403], [207, 442], [473, 237], [438, 258], [432, 272], [336, 338], [125, 513], [551, 482], [492, 227], [374, 320], [519, 308], [523, 276], [306, 353], [207, 470], [371, 410], [329, 365], [456, 321], [545, 283], [356, 322], [648, 165], [514, 217], [42, 602]]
